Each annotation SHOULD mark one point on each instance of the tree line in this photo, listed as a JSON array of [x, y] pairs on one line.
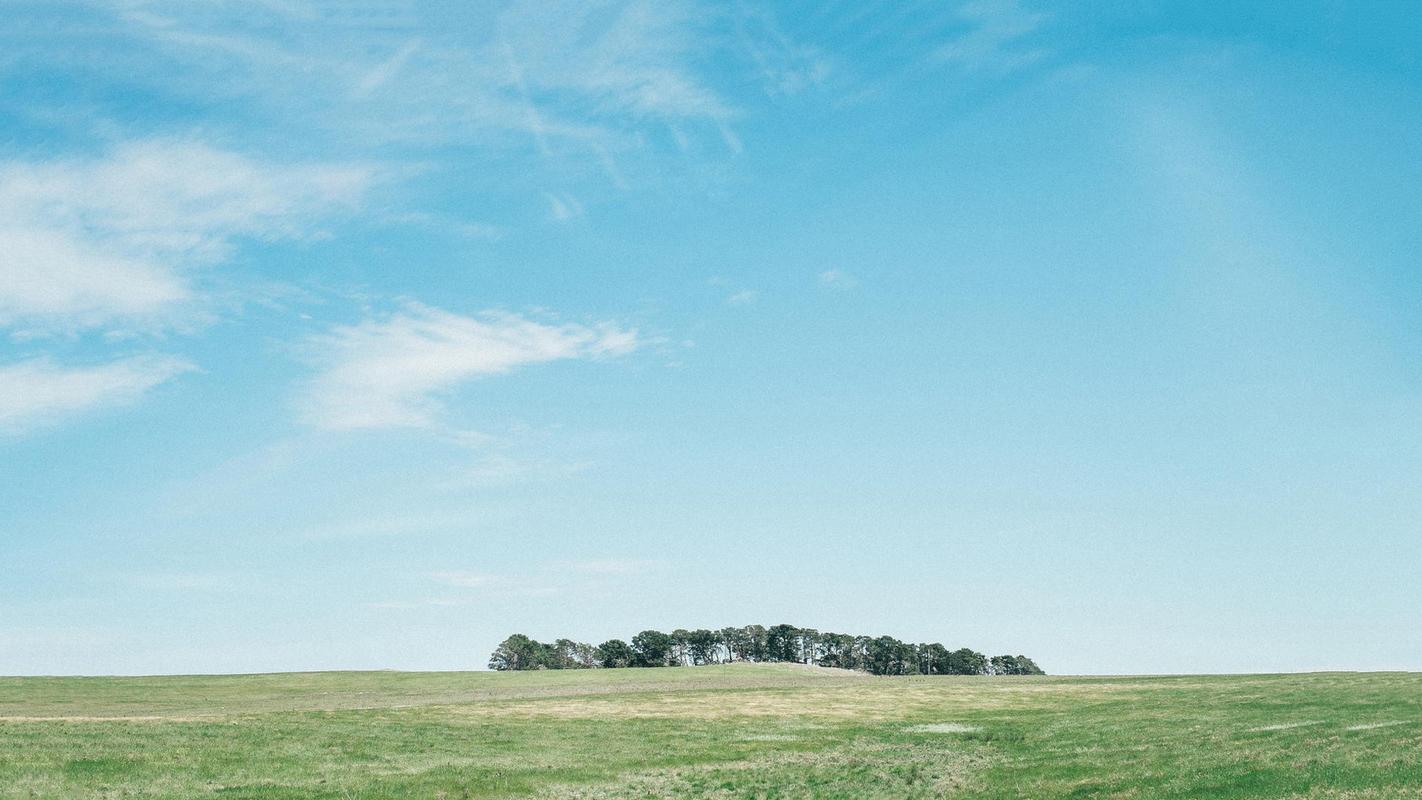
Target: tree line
[[880, 655]]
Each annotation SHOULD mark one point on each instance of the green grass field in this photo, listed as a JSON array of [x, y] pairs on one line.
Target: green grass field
[[772, 731]]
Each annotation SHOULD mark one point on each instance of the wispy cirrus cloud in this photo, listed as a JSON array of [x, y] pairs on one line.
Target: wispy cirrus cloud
[[187, 582], [558, 572], [836, 280], [179, 195], [611, 566], [468, 587], [40, 392], [560, 71], [563, 207], [113, 240], [389, 371], [382, 73], [994, 42], [743, 297], [469, 580], [627, 59]]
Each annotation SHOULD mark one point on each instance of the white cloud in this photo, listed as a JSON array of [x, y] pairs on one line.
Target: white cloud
[[786, 67], [837, 279], [387, 372], [92, 242], [460, 227], [500, 469], [509, 585], [611, 566], [562, 71], [556, 577], [173, 195], [630, 59], [48, 275], [993, 43], [39, 392], [433, 602], [744, 297], [386, 525], [563, 207], [575, 578], [381, 73]]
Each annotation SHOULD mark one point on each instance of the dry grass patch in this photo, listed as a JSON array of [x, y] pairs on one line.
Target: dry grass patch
[[944, 727], [868, 701], [873, 770]]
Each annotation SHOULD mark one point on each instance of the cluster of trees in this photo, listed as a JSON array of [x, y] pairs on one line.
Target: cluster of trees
[[881, 655]]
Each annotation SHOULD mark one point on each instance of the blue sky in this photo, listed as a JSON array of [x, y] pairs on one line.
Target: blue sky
[[359, 335]]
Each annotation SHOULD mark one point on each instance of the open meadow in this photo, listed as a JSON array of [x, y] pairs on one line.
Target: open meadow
[[770, 731]]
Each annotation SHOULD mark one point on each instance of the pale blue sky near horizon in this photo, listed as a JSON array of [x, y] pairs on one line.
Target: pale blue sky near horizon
[[360, 335]]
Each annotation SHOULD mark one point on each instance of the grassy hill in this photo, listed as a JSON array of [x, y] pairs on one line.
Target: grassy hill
[[773, 731]]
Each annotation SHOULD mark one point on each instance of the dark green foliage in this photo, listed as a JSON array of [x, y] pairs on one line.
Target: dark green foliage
[[1013, 665], [837, 650], [520, 652], [651, 649], [574, 655], [746, 643], [966, 662], [881, 655], [615, 653], [1027, 666], [680, 648], [889, 656], [703, 647], [754, 637], [934, 659], [731, 644], [782, 643], [809, 640]]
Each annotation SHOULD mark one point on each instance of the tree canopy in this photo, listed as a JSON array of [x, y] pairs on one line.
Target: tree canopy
[[880, 655]]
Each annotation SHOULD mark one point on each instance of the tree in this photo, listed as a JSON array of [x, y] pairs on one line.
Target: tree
[[652, 648], [889, 656], [568, 654], [587, 656], [882, 655], [782, 643], [809, 645], [1002, 665], [753, 643], [1027, 666], [615, 653], [966, 662], [519, 652], [1013, 665], [837, 650], [702, 646], [860, 658], [680, 647], [730, 641], [936, 659], [564, 655]]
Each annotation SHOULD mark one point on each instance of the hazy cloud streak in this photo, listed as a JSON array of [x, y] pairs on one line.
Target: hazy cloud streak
[[386, 372], [38, 392], [92, 242]]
